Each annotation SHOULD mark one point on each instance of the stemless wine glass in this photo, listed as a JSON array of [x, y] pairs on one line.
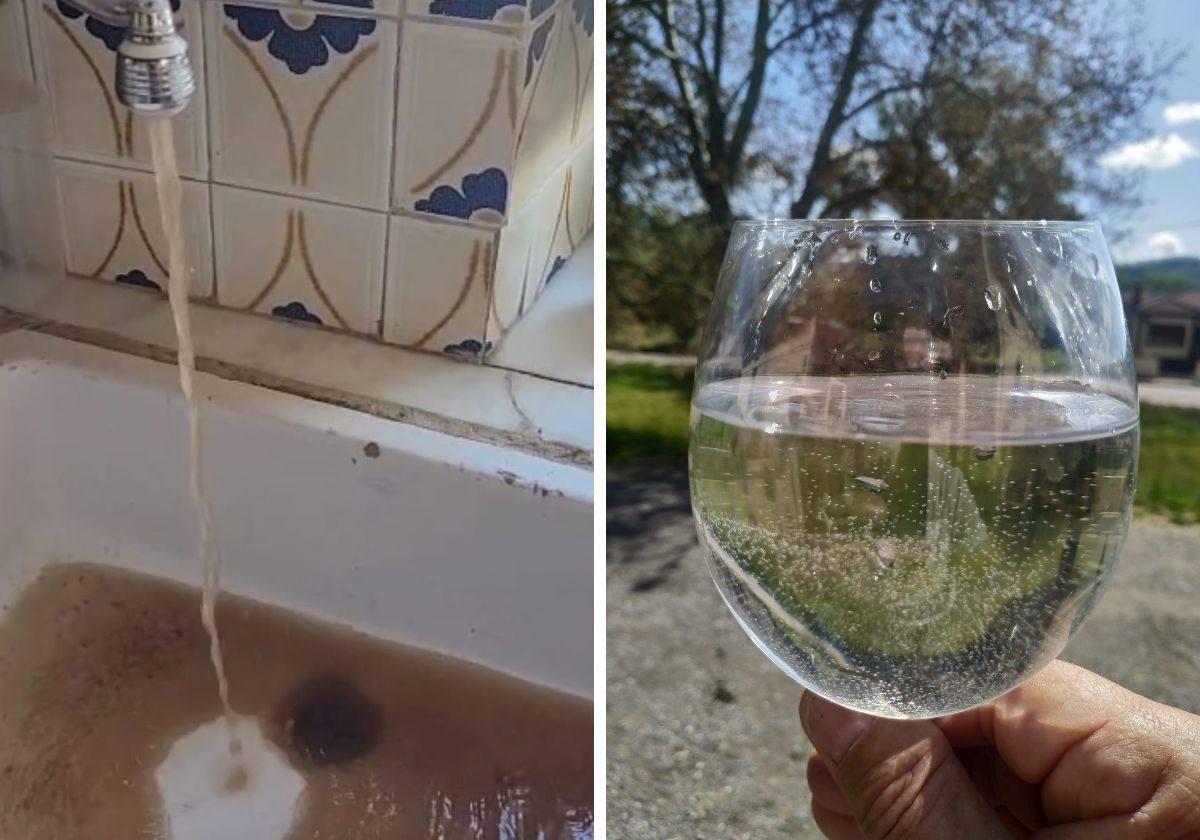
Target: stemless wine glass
[[913, 448]]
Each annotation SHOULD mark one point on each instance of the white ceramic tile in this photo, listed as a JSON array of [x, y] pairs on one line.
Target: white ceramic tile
[[522, 241], [458, 107], [301, 102], [503, 12], [536, 243], [578, 207], [112, 228], [554, 338], [75, 57], [438, 284], [389, 8], [300, 259], [15, 60], [583, 22], [547, 122]]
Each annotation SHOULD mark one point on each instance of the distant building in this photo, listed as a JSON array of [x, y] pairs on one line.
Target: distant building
[[1165, 331]]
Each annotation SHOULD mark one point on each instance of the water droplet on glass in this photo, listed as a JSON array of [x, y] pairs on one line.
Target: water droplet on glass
[[896, 236], [877, 318], [907, 236], [983, 453], [943, 244], [991, 296], [872, 255], [1094, 262], [875, 285]]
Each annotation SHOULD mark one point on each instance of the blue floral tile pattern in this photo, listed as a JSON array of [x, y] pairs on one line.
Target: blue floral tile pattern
[[137, 277], [296, 311], [559, 262], [485, 190], [470, 348], [537, 47], [300, 49], [473, 9], [585, 14], [110, 36]]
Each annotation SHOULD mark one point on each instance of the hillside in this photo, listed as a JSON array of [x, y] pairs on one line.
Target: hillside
[[1169, 275]]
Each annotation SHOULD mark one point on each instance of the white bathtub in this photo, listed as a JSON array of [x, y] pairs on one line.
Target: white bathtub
[[460, 547]]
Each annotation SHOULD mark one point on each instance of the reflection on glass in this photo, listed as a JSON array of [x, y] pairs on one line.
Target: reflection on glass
[[913, 447]]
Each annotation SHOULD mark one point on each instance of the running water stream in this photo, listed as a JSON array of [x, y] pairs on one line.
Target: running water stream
[[170, 201]]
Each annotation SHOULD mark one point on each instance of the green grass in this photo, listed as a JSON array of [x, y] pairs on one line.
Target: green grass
[[648, 419], [647, 412], [1169, 463]]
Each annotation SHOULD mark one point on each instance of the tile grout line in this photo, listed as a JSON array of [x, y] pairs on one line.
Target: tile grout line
[[431, 219], [25, 19], [391, 178], [368, 338], [208, 131], [338, 10]]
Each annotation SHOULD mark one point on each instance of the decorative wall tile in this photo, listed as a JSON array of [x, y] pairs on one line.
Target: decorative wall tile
[[558, 110], [75, 56], [305, 260], [438, 284], [459, 97], [537, 242], [302, 101], [578, 207], [390, 8], [113, 229], [15, 61], [508, 12]]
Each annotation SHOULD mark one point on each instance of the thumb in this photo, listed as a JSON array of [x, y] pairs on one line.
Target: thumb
[[900, 778]]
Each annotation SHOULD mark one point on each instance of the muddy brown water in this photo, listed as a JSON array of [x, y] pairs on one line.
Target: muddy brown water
[[103, 670]]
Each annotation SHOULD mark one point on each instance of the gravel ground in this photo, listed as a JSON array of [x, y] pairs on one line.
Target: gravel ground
[[703, 740]]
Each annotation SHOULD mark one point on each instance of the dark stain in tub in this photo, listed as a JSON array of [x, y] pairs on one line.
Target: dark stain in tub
[[326, 720], [371, 450]]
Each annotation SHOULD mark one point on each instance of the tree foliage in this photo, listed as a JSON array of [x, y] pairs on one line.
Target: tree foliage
[[913, 108]]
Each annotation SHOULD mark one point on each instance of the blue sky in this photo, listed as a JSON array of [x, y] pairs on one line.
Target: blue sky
[[1168, 222]]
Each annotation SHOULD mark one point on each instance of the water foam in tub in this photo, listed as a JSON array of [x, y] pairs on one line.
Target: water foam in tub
[[203, 801]]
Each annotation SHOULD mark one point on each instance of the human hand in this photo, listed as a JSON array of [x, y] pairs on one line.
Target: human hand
[[1068, 755]]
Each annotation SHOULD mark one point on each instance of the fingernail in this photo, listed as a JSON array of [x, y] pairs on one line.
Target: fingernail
[[832, 729]]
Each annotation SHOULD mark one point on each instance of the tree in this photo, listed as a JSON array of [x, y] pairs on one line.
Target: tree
[[910, 92], [916, 108]]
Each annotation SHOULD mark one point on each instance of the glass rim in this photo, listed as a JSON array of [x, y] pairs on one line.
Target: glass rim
[[900, 224]]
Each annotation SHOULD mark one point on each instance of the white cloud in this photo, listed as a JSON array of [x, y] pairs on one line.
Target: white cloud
[[1155, 153], [1166, 244], [1181, 112]]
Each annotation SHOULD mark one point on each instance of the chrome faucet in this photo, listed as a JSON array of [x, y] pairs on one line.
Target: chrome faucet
[[154, 74]]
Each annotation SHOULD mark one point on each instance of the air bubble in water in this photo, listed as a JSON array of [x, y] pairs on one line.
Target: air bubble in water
[[991, 296], [907, 236], [943, 244], [872, 256], [984, 453], [896, 236], [877, 318], [875, 285], [874, 355]]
